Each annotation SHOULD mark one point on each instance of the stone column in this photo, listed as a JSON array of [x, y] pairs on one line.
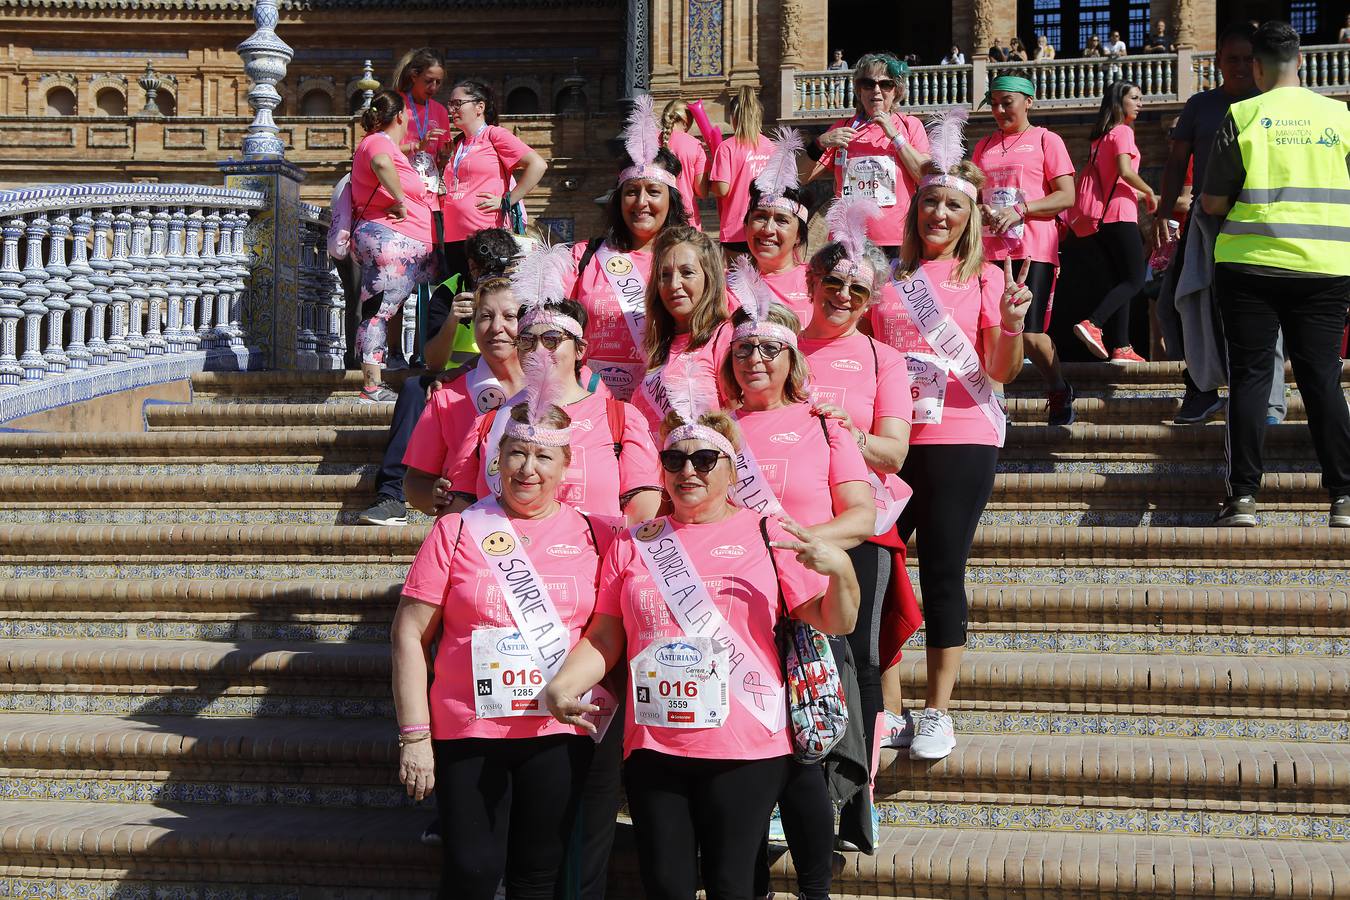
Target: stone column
[[791, 57], [637, 50]]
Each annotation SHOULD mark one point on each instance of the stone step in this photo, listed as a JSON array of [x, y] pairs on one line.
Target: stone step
[[195, 678], [180, 759], [1118, 410], [268, 415], [277, 387]]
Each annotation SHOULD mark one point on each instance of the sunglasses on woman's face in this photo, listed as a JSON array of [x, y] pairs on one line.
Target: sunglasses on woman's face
[[869, 84], [768, 350], [550, 340], [857, 293], [703, 461]]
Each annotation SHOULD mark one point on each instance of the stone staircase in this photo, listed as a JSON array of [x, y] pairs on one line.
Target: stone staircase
[[196, 679]]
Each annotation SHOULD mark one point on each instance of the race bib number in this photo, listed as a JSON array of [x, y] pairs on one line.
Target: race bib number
[[680, 683], [425, 165], [506, 680], [928, 386], [871, 176], [1002, 190]]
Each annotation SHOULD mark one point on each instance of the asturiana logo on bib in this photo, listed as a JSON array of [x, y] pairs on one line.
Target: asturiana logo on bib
[[727, 551], [513, 645], [681, 655], [846, 365], [785, 437], [564, 550]]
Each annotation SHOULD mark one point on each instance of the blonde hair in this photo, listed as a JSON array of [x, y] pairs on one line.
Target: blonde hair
[[414, 63], [675, 113], [794, 389], [710, 310], [969, 246], [488, 286], [747, 115], [715, 419]]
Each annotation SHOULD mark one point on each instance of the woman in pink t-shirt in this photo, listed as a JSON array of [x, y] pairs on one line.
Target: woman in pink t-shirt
[[776, 233], [958, 418], [503, 591], [418, 77], [1029, 182], [437, 441], [687, 323], [878, 152], [602, 478], [1116, 157], [676, 123], [735, 164], [480, 190], [707, 748], [392, 238], [612, 270]]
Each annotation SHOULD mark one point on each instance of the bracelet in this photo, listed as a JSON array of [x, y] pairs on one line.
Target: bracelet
[[861, 438], [1006, 332], [1021, 209], [413, 729], [899, 141], [405, 740]]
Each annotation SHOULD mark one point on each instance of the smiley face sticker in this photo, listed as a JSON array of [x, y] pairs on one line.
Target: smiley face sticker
[[499, 543], [617, 265], [651, 530], [495, 467], [489, 399]]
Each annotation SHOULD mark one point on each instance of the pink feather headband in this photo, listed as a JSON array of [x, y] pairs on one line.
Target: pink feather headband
[[642, 140], [780, 173], [783, 203], [953, 182], [772, 330], [652, 173], [700, 433], [757, 298], [947, 146], [542, 315], [543, 391], [538, 434]]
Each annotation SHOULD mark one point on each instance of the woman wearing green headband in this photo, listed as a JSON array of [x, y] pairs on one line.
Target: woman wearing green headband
[[1029, 181]]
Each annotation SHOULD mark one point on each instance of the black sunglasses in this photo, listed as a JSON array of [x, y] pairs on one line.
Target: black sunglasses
[[868, 84], [857, 293], [768, 350], [703, 460], [550, 340]]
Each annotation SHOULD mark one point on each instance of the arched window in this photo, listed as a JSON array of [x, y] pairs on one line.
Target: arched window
[[522, 101], [165, 101], [60, 102], [111, 102], [316, 103]]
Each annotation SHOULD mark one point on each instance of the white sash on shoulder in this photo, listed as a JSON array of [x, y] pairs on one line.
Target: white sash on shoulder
[[484, 388], [751, 488], [757, 684], [950, 343], [630, 291], [492, 470]]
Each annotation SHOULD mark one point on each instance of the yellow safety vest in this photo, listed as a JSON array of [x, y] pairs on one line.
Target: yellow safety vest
[[1294, 208]]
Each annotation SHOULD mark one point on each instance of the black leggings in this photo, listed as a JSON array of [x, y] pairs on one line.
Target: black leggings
[[808, 825], [1123, 248], [872, 565], [952, 484], [507, 807], [683, 807]]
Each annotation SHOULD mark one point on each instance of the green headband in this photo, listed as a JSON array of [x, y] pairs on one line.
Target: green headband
[[1015, 83]]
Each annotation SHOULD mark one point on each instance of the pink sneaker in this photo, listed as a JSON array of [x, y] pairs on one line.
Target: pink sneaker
[[1126, 354], [1091, 336]]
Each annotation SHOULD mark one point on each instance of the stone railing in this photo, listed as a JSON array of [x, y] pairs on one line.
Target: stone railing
[[830, 94], [320, 337], [1080, 82], [102, 277], [1326, 69]]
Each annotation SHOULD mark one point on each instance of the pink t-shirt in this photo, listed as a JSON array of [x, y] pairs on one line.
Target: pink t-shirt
[[800, 465], [1123, 205], [609, 341], [735, 566], [371, 202], [737, 165], [866, 378], [481, 163], [425, 118], [871, 140], [973, 309], [687, 373], [438, 439], [1031, 161], [595, 480], [449, 571], [790, 286], [693, 161]]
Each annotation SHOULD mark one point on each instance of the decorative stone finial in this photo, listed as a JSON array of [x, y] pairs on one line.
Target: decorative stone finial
[[368, 84], [265, 57], [150, 83]]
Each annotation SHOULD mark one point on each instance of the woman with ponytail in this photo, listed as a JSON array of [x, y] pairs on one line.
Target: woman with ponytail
[[676, 122], [417, 78], [735, 164], [391, 233]]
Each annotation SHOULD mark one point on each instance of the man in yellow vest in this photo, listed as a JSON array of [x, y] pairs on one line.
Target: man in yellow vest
[[1280, 174]]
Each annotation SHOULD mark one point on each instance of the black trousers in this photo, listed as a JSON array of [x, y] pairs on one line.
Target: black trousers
[[1311, 312], [686, 809], [412, 400], [808, 825], [587, 869], [507, 808], [952, 483], [1123, 248]]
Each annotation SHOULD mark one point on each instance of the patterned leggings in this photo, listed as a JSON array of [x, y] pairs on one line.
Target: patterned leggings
[[392, 264]]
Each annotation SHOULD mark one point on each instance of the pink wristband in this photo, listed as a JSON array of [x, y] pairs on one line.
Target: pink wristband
[[413, 729], [1011, 333]]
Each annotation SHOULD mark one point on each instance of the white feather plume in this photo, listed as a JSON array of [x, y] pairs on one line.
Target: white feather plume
[[642, 133], [543, 384], [540, 274], [748, 285], [947, 138], [847, 220], [780, 173]]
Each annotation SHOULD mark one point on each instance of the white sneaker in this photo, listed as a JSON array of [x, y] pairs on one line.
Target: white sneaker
[[899, 730], [934, 737]]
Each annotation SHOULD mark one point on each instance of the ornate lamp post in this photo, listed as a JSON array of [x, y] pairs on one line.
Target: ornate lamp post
[[266, 57], [368, 84]]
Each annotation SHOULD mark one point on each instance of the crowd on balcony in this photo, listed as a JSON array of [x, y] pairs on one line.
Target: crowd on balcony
[[674, 477]]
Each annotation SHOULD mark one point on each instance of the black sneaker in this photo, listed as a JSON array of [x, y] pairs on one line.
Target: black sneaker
[[1059, 406], [1237, 512], [431, 835], [1198, 406], [387, 512], [1340, 512]]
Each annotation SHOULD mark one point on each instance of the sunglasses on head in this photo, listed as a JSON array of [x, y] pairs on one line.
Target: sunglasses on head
[[768, 350], [867, 84], [703, 461], [550, 340], [858, 293]]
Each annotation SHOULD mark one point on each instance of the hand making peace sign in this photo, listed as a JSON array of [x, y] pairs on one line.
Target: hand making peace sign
[[1016, 296]]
